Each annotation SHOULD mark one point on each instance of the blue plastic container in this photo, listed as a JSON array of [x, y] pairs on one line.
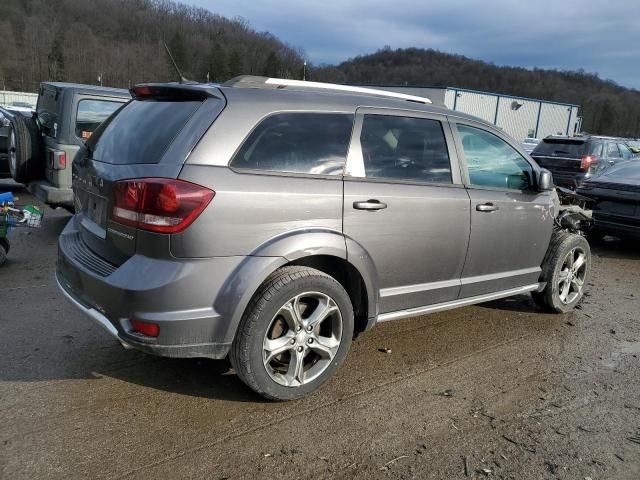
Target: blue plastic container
[[6, 197]]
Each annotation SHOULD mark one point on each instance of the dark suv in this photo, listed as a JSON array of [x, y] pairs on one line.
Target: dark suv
[[272, 220], [572, 160]]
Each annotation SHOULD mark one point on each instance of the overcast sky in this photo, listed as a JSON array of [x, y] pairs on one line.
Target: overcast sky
[[598, 36]]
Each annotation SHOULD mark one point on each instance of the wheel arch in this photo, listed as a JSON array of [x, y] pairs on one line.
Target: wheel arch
[[324, 250]]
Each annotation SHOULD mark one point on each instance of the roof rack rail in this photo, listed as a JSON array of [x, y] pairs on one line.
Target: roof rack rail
[[252, 81]]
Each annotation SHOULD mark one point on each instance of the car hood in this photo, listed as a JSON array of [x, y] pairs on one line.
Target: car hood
[[625, 173]]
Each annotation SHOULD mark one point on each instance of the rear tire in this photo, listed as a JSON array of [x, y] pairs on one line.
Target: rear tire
[[565, 269], [295, 333], [4, 250], [26, 149]]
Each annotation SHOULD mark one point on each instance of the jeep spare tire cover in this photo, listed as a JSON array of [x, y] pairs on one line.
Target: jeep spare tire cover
[[26, 149]]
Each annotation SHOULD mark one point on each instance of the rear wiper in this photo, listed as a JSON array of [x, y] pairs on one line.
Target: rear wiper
[[89, 149]]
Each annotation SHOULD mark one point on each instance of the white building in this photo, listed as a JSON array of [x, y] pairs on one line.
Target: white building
[[8, 99], [520, 117]]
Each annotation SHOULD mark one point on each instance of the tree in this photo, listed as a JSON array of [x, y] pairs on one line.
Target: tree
[[56, 58], [178, 52], [236, 65], [218, 64], [272, 65]]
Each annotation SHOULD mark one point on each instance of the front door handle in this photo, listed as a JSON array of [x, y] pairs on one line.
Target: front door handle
[[486, 207], [371, 204]]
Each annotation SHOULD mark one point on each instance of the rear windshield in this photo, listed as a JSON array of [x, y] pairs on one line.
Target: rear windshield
[[560, 147], [141, 131], [91, 113]]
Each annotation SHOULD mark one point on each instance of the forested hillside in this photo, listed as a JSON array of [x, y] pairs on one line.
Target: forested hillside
[[607, 108], [121, 42], [79, 40]]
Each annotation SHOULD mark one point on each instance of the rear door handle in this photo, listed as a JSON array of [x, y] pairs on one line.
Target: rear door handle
[[371, 204], [486, 207]]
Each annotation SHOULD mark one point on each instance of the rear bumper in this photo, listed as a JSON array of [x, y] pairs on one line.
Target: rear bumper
[[51, 195], [177, 295]]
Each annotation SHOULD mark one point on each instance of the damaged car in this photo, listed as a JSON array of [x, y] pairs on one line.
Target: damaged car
[[271, 221], [616, 201]]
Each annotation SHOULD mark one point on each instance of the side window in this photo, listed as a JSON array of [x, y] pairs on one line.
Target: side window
[[626, 153], [91, 113], [405, 148], [612, 151], [596, 149], [492, 162], [314, 143]]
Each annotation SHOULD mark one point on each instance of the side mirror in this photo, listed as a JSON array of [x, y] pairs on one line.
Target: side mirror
[[545, 180]]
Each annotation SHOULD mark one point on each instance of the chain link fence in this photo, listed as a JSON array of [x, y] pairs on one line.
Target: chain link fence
[[21, 99]]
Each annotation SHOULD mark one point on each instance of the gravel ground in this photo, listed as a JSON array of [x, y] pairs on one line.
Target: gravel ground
[[494, 390]]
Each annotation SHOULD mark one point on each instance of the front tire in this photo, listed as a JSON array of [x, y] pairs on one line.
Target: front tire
[[565, 269], [294, 335]]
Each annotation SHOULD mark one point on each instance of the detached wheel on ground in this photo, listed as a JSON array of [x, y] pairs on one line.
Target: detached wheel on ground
[[565, 269], [294, 335], [26, 150]]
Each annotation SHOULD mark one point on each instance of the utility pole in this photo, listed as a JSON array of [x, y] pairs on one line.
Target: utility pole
[[304, 70]]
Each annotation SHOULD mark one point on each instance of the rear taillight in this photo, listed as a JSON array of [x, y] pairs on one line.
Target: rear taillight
[[57, 159], [161, 205], [146, 328], [586, 162]]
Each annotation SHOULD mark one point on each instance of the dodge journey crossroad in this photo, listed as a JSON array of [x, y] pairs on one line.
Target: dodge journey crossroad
[[271, 221]]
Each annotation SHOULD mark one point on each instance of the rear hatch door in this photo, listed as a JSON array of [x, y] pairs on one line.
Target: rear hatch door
[[149, 137], [560, 155]]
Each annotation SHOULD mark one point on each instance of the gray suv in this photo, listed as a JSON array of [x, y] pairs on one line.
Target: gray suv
[[271, 221]]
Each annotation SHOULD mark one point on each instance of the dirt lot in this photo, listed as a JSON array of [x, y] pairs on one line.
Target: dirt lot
[[496, 390]]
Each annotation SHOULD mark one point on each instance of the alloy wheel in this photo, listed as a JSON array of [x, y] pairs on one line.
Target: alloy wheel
[[572, 276], [302, 339]]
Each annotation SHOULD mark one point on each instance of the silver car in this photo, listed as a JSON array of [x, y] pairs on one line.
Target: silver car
[[272, 221]]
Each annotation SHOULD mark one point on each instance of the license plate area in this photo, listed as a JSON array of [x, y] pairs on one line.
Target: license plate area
[[96, 207], [94, 212]]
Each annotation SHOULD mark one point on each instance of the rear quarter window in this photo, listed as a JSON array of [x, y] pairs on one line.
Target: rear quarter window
[[312, 143], [141, 131], [596, 149]]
